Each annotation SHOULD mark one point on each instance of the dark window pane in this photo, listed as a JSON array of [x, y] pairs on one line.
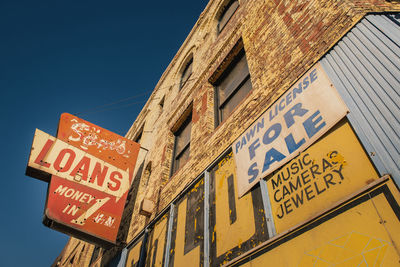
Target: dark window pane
[[227, 14], [182, 144], [139, 137], [232, 80], [182, 158], [183, 137], [186, 73], [240, 94], [233, 86], [162, 102]]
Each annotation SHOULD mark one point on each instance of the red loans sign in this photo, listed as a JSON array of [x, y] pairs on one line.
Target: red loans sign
[[91, 171]]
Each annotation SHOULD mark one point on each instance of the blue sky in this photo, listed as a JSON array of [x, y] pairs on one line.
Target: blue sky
[[72, 56]]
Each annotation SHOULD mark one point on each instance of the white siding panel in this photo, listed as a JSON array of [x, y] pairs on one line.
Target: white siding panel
[[365, 68]]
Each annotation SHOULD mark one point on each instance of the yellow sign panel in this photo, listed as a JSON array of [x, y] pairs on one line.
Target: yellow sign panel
[[231, 232], [363, 232], [333, 168], [156, 245], [181, 257], [133, 255], [236, 224], [187, 244]]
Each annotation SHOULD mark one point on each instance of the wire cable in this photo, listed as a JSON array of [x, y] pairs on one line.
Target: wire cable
[[94, 109], [100, 108]]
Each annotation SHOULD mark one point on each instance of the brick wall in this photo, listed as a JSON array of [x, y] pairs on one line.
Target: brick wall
[[282, 40]]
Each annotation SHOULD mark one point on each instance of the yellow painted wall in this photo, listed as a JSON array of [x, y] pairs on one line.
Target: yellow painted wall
[[231, 235], [236, 224], [362, 233], [133, 255], [181, 258], [187, 237], [155, 252]]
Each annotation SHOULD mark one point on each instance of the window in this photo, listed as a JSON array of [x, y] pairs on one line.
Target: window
[[227, 13], [187, 71], [139, 136], [147, 174], [161, 104], [233, 86], [182, 144]]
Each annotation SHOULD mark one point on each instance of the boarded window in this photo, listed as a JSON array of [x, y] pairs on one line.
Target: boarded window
[[232, 87], [156, 242], [236, 224], [227, 13], [134, 254], [187, 235]]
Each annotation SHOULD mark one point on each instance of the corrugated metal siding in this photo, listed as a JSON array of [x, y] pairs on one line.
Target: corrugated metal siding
[[365, 68]]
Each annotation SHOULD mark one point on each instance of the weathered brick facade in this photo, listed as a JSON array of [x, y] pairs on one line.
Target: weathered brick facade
[[282, 40]]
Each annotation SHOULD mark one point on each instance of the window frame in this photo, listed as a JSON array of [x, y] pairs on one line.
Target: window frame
[[139, 135], [218, 105], [162, 102], [175, 164]]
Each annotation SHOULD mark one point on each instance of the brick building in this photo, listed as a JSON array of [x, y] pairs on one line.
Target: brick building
[[234, 67]]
